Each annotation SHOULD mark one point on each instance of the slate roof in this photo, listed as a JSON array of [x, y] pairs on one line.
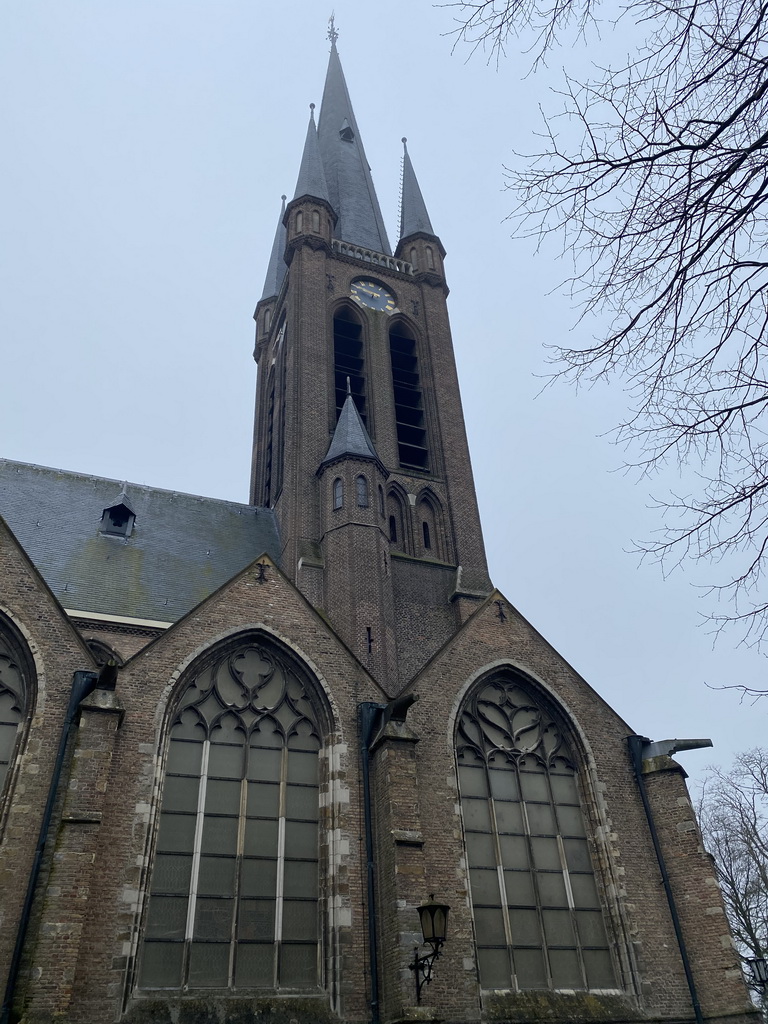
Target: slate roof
[[413, 209], [350, 436], [182, 548], [277, 269], [347, 173]]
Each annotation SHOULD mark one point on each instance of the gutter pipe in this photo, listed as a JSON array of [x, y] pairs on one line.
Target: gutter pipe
[[83, 684], [368, 716], [636, 746]]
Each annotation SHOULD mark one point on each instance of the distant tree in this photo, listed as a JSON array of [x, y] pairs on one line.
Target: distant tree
[[654, 174], [733, 813]]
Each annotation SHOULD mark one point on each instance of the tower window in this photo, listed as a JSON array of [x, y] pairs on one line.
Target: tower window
[[381, 500], [393, 529], [537, 913], [361, 486], [430, 258], [315, 220], [409, 408], [413, 258], [299, 222], [348, 361], [338, 493], [267, 319], [425, 533]]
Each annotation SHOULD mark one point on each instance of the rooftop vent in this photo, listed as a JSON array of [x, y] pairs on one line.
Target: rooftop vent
[[345, 132], [118, 518]]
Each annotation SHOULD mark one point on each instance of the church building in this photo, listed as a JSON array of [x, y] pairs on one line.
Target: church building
[[297, 760]]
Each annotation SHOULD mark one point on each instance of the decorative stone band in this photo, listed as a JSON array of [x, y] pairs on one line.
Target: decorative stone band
[[379, 259]]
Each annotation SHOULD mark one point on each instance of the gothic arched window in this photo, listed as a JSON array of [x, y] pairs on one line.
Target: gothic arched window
[[338, 492], [349, 361], [361, 486], [408, 400], [15, 672], [538, 920], [234, 892]]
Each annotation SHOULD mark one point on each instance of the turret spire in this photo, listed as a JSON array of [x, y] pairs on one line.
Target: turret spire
[[276, 268], [350, 436], [347, 173], [413, 211], [311, 180]]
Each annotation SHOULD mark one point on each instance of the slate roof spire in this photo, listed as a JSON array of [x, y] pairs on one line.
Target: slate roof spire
[[413, 211], [276, 268], [311, 180], [347, 173], [350, 436]]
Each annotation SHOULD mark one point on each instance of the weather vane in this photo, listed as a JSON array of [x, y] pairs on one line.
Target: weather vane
[[333, 34]]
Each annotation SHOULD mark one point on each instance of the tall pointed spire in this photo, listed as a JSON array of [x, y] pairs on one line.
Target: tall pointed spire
[[413, 211], [276, 268], [347, 173], [311, 180]]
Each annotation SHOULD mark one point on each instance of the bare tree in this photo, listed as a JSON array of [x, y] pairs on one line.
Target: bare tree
[[656, 180], [733, 813]]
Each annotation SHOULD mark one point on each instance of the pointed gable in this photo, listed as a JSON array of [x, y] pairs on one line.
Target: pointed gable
[[276, 269], [311, 180], [413, 211], [350, 437], [347, 173]]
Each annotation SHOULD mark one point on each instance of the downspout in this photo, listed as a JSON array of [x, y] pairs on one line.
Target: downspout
[[369, 715], [83, 684], [636, 745]]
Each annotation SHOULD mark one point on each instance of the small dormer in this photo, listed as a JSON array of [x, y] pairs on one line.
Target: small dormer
[[118, 518]]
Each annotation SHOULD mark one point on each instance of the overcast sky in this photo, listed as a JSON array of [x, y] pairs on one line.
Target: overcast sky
[[146, 144]]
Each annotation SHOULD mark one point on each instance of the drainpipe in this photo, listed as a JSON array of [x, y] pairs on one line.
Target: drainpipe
[[640, 747], [83, 684], [369, 715]]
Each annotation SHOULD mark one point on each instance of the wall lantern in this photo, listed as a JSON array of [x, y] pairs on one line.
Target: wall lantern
[[434, 924], [758, 968]]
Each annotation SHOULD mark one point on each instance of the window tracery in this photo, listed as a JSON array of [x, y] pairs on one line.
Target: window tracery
[[234, 892], [538, 917], [14, 689]]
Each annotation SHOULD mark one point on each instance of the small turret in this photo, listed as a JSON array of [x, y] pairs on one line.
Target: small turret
[[310, 217]]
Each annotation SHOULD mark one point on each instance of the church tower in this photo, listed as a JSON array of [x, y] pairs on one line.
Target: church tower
[[359, 441]]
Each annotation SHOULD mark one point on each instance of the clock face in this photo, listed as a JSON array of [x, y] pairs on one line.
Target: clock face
[[373, 295]]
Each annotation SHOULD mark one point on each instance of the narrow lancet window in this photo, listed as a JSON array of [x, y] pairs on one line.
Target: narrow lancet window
[[409, 405], [14, 694], [349, 361], [338, 493], [361, 485]]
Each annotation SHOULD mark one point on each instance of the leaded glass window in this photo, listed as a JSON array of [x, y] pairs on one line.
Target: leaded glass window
[[234, 890], [538, 919], [13, 698]]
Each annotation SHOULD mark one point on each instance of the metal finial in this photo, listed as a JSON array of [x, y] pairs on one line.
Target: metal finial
[[404, 141], [333, 33], [349, 386], [283, 198]]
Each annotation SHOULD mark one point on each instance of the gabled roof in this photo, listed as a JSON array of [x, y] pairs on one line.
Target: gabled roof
[[277, 269], [350, 438], [311, 180], [413, 211], [182, 548], [347, 173]]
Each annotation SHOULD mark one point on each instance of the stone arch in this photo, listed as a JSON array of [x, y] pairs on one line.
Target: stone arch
[[398, 519], [538, 889], [430, 529], [245, 734], [17, 691]]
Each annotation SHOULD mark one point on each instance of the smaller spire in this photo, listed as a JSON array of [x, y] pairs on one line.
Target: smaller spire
[[350, 436], [413, 211], [311, 180], [276, 268]]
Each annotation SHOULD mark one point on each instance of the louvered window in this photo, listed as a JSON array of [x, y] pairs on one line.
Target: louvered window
[[409, 404], [349, 361]]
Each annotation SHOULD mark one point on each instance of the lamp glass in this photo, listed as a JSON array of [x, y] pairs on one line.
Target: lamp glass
[[434, 921], [759, 969]]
